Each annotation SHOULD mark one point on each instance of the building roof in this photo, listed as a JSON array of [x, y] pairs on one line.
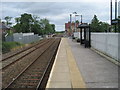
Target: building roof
[[2, 26], [83, 25]]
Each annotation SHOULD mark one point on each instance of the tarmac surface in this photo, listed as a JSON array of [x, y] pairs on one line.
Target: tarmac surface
[[79, 67], [96, 70]]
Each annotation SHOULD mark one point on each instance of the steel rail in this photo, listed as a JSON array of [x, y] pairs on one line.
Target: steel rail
[[48, 65], [28, 67], [43, 43], [21, 51]]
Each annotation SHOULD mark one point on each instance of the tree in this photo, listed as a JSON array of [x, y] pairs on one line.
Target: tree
[[44, 25], [98, 26], [103, 26], [36, 27], [28, 23], [48, 29], [53, 28], [44, 22], [24, 23], [17, 20], [8, 19], [17, 28], [77, 21], [95, 24], [36, 19]]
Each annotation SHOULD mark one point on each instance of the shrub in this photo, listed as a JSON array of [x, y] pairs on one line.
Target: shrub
[[7, 46]]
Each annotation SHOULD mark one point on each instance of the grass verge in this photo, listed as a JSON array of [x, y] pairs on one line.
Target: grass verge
[[7, 46]]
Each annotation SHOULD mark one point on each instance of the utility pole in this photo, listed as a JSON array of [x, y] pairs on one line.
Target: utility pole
[[115, 14], [70, 24], [115, 9], [111, 12], [114, 22], [110, 16], [81, 19], [75, 23], [75, 20]]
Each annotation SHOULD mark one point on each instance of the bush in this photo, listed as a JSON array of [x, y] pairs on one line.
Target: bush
[[7, 46]]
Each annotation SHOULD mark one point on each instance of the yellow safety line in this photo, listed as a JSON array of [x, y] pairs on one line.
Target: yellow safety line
[[76, 77]]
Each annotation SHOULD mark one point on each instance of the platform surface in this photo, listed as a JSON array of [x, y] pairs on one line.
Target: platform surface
[[79, 67], [97, 71], [65, 73]]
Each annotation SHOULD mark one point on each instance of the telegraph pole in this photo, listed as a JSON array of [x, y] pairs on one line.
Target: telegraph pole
[[115, 9], [75, 21], [70, 24], [81, 19], [115, 14], [111, 12]]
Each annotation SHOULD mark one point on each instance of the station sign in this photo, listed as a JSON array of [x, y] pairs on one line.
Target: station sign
[[114, 22]]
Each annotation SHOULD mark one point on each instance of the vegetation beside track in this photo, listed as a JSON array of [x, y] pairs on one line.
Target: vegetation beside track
[[7, 46]]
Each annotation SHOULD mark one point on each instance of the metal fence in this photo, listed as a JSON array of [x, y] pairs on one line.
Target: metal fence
[[23, 37]]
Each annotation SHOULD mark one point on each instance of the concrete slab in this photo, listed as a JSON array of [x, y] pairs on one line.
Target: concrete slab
[[65, 73], [65, 77], [96, 71], [59, 77], [76, 77], [62, 69], [59, 84]]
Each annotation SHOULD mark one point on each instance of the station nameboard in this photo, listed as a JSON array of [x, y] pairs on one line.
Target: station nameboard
[[114, 22]]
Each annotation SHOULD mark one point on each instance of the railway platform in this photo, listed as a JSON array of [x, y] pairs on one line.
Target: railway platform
[[79, 67]]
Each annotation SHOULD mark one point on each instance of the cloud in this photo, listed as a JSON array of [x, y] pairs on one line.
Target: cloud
[[54, 0], [60, 27], [58, 12]]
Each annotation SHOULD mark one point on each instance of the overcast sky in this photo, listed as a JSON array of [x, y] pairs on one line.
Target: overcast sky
[[58, 12]]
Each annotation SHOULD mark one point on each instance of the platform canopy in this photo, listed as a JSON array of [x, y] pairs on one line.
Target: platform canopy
[[85, 34], [83, 25]]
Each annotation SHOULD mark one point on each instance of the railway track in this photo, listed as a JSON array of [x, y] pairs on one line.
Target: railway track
[[14, 53], [10, 60], [34, 74]]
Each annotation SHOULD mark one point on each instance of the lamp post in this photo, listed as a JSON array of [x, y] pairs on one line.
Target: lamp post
[[70, 23], [81, 19], [113, 21], [75, 20], [115, 15]]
